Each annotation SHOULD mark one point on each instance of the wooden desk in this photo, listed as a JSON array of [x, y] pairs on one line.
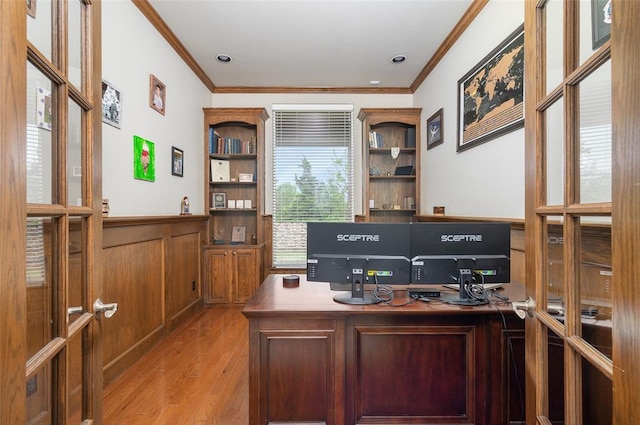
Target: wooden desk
[[312, 360]]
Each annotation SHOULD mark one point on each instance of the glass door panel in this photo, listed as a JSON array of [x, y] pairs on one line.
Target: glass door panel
[[39, 396], [595, 136], [74, 154], [42, 279], [39, 25], [595, 284], [595, 26], [555, 375], [555, 262], [554, 153], [597, 396], [75, 9], [554, 37], [75, 367], [40, 142], [77, 274]]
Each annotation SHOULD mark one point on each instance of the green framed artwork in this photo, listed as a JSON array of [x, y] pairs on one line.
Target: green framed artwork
[[144, 159]]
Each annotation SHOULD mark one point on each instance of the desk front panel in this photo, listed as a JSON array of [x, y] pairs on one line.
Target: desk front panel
[[417, 370]]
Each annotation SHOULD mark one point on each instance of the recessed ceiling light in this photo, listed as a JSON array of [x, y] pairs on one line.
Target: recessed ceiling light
[[223, 58], [398, 58], [374, 82]]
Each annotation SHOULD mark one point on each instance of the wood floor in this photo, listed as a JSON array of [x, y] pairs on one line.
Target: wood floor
[[197, 375]]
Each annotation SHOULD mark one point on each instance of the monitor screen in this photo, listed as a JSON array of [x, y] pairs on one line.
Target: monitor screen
[[358, 254]]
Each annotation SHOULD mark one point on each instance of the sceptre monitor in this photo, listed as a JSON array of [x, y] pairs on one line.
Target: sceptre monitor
[[460, 253], [358, 254]]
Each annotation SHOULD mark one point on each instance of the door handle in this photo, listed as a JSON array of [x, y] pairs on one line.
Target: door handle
[[108, 309], [523, 308]]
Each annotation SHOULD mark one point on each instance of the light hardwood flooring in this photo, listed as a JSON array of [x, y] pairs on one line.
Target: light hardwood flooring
[[197, 375]]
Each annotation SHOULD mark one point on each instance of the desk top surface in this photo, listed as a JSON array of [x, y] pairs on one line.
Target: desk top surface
[[311, 298]]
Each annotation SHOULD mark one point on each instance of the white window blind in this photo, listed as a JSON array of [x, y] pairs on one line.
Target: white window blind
[[312, 174]]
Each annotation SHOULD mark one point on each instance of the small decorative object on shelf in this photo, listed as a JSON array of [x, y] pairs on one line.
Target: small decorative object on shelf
[[184, 206]]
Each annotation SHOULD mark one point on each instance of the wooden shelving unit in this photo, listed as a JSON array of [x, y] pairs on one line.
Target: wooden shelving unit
[[390, 197], [234, 268]]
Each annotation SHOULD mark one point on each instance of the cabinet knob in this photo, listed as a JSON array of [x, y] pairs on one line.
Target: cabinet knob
[[234, 253]]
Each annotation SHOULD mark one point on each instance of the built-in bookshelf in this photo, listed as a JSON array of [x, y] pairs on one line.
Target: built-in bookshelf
[[234, 173], [391, 170]]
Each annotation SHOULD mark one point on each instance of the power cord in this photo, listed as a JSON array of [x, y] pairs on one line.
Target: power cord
[[384, 294]]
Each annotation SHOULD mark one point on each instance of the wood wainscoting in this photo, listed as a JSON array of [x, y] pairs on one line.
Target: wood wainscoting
[[153, 269]]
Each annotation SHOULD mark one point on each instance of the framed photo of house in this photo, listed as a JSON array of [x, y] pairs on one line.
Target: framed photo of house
[[157, 94], [111, 104], [177, 161], [491, 94], [435, 129]]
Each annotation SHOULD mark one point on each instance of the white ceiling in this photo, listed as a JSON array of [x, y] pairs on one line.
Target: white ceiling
[[311, 43]]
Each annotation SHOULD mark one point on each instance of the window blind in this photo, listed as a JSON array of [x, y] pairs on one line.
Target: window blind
[[312, 174]]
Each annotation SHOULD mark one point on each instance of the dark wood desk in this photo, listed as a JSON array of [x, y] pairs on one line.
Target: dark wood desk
[[312, 360]]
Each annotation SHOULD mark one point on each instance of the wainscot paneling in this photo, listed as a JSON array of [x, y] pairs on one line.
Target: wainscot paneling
[[152, 267]]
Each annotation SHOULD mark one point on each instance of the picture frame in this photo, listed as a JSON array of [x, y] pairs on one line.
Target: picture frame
[[177, 161], [435, 129], [245, 177], [218, 200], [238, 234], [44, 109], [491, 94], [111, 104], [144, 159], [600, 22], [31, 8], [157, 94]]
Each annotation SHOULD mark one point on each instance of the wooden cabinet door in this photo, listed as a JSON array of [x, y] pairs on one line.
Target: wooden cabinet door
[[218, 266], [246, 272]]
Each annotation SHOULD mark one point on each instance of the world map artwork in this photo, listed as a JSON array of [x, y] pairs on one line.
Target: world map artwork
[[493, 94]]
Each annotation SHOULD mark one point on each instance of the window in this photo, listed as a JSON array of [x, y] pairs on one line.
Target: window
[[312, 174]]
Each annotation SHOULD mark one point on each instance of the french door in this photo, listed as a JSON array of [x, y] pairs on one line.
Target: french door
[[51, 213], [582, 211]]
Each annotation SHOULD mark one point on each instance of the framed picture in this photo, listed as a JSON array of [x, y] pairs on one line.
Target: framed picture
[[111, 104], [238, 234], [144, 159], [434, 130], [600, 22], [44, 114], [31, 8], [177, 161], [491, 95], [157, 94], [218, 200]]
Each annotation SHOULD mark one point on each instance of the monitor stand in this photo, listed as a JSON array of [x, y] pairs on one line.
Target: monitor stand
[[334, 286], [465, 278], [357, 296]]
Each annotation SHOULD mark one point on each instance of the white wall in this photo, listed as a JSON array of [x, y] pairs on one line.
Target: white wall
[[132, 49], [488, 179], [357, 100]]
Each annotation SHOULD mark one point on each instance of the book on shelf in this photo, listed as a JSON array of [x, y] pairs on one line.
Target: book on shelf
[[213, 140], [375, 140], [229, 145]]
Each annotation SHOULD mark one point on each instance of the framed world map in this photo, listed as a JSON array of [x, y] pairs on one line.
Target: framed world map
[[491, 95]]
